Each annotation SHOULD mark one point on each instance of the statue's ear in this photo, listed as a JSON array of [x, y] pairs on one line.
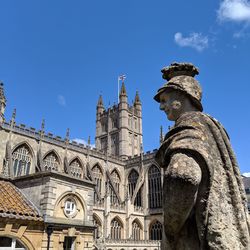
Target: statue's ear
[[176, 105]]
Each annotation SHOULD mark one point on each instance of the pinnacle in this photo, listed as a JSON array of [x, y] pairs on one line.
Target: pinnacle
[[137, 98], [123, 91], [100, 101]]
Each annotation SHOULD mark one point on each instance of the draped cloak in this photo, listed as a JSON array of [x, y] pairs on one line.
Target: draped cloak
[[219, 214]]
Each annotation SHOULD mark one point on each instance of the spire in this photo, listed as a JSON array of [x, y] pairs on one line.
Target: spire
[[161, 135], [100, 102], [89, 141], [123, 91], [2, 102]]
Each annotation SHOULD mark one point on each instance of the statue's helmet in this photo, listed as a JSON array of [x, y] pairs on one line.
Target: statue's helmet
[[180, 76]]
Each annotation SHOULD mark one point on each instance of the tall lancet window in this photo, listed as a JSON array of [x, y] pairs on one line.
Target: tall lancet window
[[116, 229], [51, 162], [156, 231], [116, 180], [132, 181], [155, 187], [76, 168], [136, 230], [97, 174], [21, 159]]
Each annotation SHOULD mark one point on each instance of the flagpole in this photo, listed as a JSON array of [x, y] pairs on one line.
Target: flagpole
[[118, 90]]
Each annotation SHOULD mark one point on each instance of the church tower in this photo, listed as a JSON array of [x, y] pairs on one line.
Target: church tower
[[2, 102], [119, 128]]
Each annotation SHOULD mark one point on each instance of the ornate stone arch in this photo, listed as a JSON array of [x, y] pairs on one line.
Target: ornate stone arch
[[78, 169], [51, 163], [27, 144], [60, 202], [22, 159], [117, 171], [99, 165]]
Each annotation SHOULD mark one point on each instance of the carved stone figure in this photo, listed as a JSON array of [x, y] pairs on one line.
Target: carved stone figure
[[204, 201]]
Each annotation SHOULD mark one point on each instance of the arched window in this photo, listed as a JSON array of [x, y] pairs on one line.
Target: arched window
[[51, 162], [76, 168], [116, 229], [132, 181], [7, 243], [156, 231], [116, 180], [97, 174], [21, 159], [98, 225], [154, 187], [136, 230]]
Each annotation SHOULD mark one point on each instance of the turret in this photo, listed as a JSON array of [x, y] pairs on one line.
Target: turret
[[99, 111], [137, 102], [123, 123], [2, 102]]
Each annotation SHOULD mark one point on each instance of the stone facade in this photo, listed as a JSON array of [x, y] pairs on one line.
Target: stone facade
[[107, 197]]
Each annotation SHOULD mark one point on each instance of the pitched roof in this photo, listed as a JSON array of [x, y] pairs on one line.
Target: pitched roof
[[14, 204]]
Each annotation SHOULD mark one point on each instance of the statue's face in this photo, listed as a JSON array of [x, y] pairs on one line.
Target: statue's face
[[170, 104]]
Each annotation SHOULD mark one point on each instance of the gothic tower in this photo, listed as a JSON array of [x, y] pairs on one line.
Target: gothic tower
[[119, 128]]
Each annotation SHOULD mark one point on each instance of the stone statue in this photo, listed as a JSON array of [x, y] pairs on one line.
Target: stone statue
[[204, 201]]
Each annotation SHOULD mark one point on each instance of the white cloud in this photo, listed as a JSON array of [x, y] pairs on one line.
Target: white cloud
[[61, 100], [78, 140], [194, 40], [246, 174], [234, 10]]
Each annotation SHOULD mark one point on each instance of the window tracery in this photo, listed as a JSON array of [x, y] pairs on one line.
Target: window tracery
[[21, 159], [116, 229], [116, 180], [76, 168], [97, 174], [136, 231], [132, 181], [156, 231], [51, 162], [154, 187]]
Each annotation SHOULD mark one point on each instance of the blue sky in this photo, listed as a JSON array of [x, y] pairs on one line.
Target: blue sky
[[56, 57]]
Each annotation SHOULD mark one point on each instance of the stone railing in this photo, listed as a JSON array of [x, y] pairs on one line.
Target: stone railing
[[99, 203], [120, 207], [133, 242], [138, 209]]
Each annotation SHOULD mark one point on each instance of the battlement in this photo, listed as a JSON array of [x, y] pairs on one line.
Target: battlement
[[59, 141]]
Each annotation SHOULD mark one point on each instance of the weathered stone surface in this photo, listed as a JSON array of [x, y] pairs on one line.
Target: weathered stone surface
[[204, 200]]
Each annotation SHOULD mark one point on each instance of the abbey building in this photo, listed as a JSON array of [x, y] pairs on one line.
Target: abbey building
[[58, 194]]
